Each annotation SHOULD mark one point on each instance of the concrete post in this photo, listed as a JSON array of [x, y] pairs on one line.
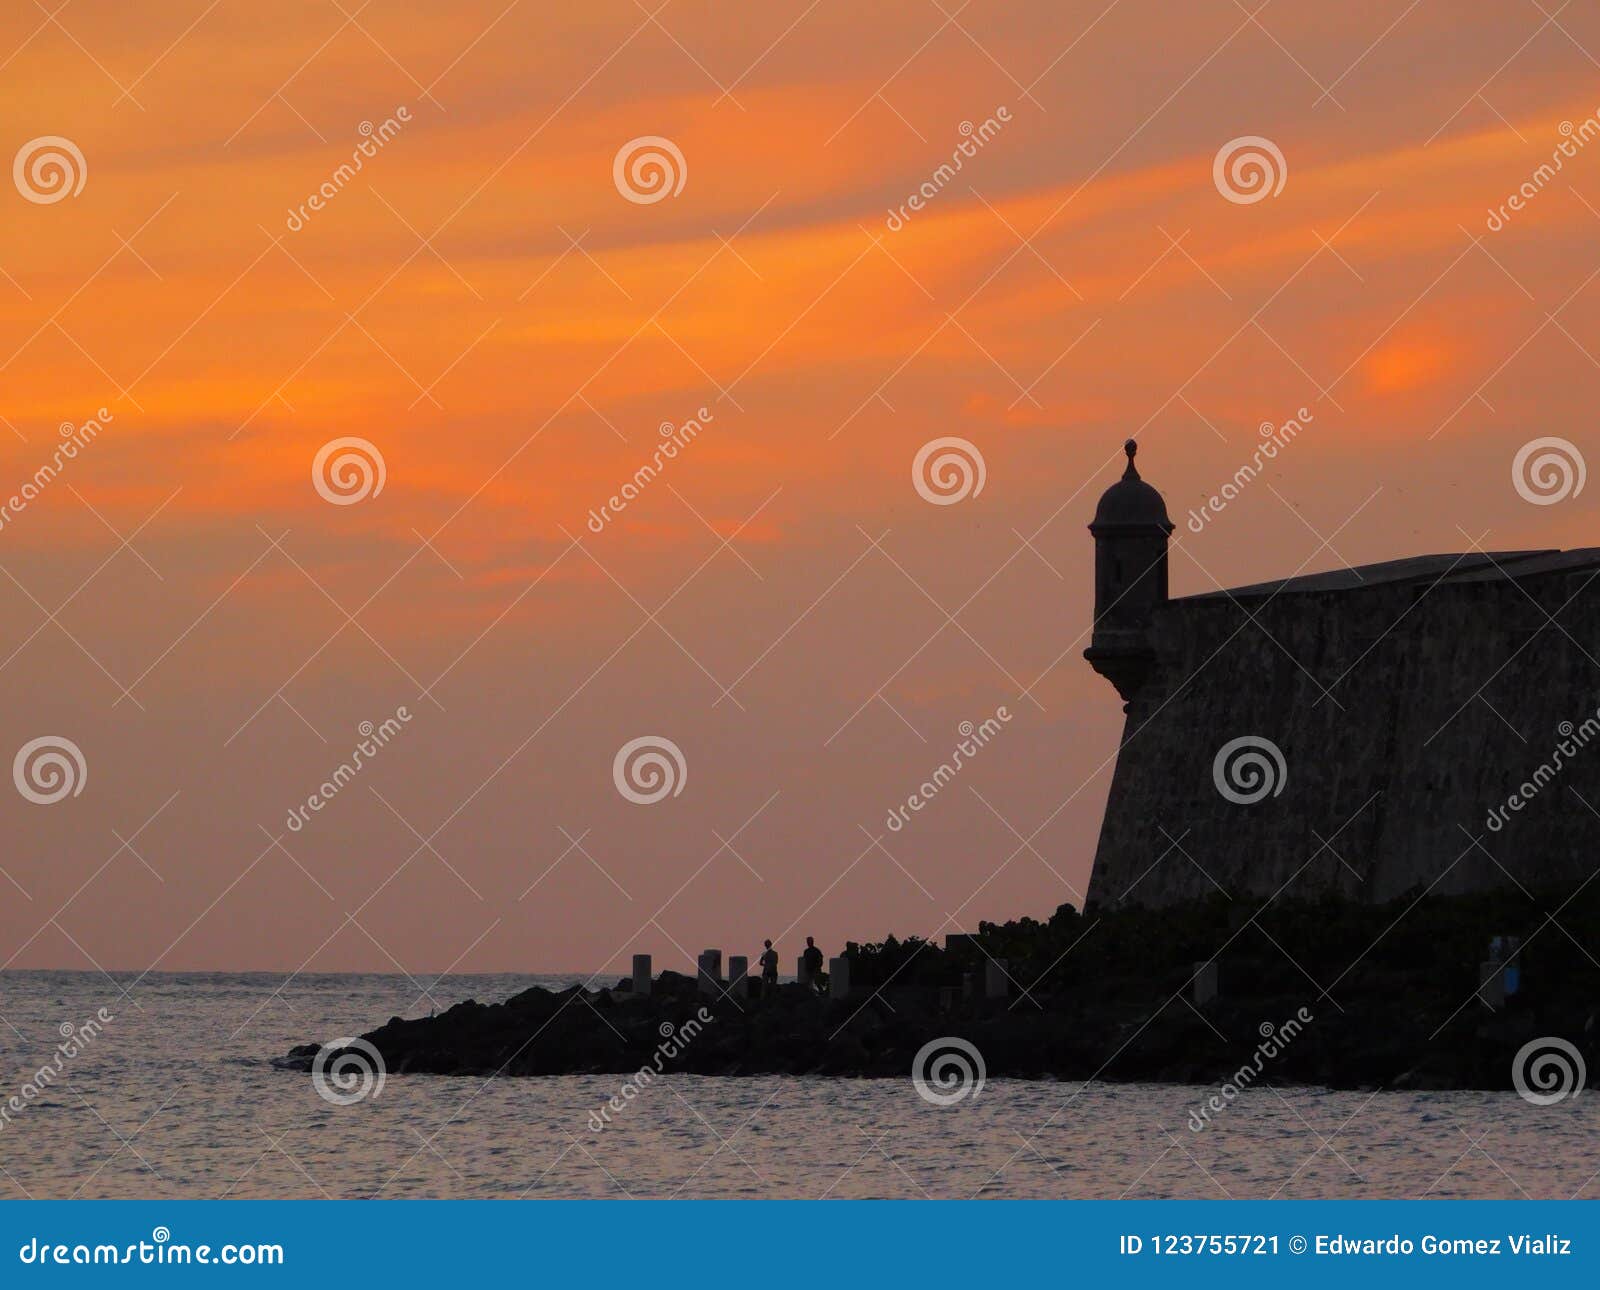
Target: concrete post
[[800, 973], [839, 978], [709, 976], [1206, 987], [641, 976], [996, 985], [739, 976]]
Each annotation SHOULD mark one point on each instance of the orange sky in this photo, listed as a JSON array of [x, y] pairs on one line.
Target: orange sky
[[776, 602]]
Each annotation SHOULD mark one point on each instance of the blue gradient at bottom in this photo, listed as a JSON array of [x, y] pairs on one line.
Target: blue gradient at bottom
[[777, 1244]]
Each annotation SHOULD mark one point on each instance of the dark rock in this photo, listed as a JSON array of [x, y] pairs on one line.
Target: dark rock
[[1106, 1000]]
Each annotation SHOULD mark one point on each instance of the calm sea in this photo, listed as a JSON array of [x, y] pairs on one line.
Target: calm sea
[[177, 1098]]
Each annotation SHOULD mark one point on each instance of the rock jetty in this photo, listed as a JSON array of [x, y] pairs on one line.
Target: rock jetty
[[1423, 992]]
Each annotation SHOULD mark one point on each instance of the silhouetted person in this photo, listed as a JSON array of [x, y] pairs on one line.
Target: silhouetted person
[[812, 959], [769, 968]]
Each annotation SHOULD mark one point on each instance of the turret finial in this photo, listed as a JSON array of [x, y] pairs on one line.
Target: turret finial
[[1130, 448]]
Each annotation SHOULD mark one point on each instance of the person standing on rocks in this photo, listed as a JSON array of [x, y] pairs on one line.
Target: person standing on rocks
[[769, 969], [812, 959]]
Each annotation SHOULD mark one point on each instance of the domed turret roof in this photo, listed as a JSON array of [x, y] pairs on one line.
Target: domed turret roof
[[1130, 502]]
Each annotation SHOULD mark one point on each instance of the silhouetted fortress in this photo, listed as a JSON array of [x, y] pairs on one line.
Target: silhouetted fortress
[[1423, 723]]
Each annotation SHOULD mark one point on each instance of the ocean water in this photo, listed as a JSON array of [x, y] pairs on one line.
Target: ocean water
[[177, 1097]]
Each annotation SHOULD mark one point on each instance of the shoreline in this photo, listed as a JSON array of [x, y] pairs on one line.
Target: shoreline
[[1371, 997]]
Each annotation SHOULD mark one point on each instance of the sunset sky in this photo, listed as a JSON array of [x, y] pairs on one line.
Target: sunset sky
[[485, 306]]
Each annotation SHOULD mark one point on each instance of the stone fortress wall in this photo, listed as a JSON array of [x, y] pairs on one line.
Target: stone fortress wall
[[1426, 722]]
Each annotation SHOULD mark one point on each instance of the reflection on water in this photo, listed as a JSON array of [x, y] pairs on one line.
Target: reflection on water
[[177, 1098]]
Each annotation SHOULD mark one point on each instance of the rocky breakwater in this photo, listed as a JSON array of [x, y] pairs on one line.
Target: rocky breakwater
[[1327, 994]]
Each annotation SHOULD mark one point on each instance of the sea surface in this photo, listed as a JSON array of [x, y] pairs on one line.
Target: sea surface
[[177, 1097]]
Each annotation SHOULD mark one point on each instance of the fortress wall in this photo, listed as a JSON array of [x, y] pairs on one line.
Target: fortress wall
[[1395, 770], [1500, 730]]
